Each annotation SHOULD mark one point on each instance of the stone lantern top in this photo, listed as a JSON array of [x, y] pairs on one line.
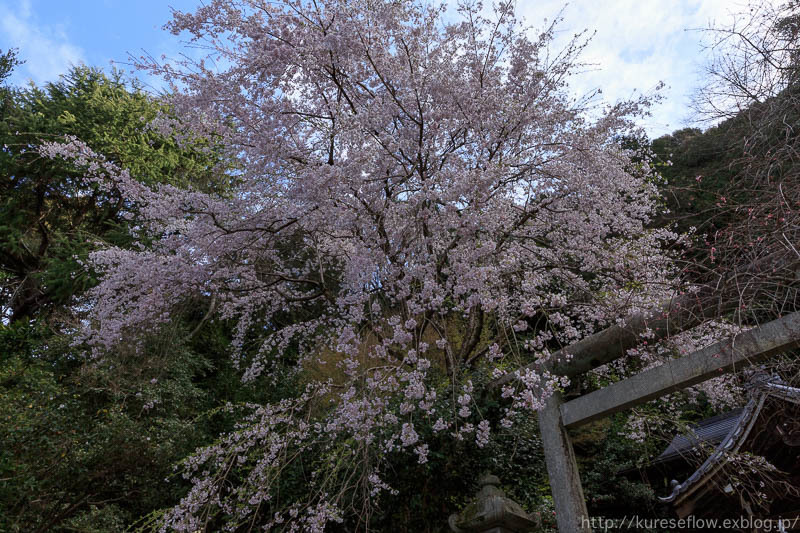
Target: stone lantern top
[[492, 512]]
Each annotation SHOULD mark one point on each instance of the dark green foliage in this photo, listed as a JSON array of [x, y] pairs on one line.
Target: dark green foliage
[[87, 445], [737, 184], [8, 61], [698, 167], [428, 493], [610, 462], [49, 216]]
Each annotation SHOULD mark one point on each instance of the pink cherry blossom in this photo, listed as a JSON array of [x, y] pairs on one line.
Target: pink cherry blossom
[[420, 190]]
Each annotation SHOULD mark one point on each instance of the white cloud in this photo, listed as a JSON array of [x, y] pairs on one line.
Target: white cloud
[[46, 49], [638, 44]]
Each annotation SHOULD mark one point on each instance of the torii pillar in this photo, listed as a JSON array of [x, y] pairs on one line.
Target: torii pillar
[[562, 469]]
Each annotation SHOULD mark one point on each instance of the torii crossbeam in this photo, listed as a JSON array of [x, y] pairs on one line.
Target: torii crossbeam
[[732, 354]]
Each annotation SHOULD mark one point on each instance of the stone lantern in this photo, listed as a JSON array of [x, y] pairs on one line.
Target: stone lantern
[[492, 512]]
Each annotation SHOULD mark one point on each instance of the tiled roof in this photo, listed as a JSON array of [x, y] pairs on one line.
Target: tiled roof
[[709, 432], [737, 423]]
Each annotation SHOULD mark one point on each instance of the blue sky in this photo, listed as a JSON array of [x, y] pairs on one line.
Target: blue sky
[[638, 42], [53, 34]]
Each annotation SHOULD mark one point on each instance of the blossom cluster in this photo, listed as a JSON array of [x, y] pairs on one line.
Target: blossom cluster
[[421, 194]]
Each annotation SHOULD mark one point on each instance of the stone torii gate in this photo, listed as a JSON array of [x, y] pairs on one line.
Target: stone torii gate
[[610, 344]]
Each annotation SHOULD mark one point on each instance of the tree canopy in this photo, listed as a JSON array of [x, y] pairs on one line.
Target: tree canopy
[[51, 217], [87, 447], [297, 275], [422, 197]]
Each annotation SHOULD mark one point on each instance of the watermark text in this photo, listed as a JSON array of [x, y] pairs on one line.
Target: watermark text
[[599, 523]]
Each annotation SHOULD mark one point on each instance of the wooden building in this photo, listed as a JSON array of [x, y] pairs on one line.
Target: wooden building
[[734, 481]]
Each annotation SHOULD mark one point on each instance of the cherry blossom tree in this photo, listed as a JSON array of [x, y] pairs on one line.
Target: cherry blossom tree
[[418, 195]]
